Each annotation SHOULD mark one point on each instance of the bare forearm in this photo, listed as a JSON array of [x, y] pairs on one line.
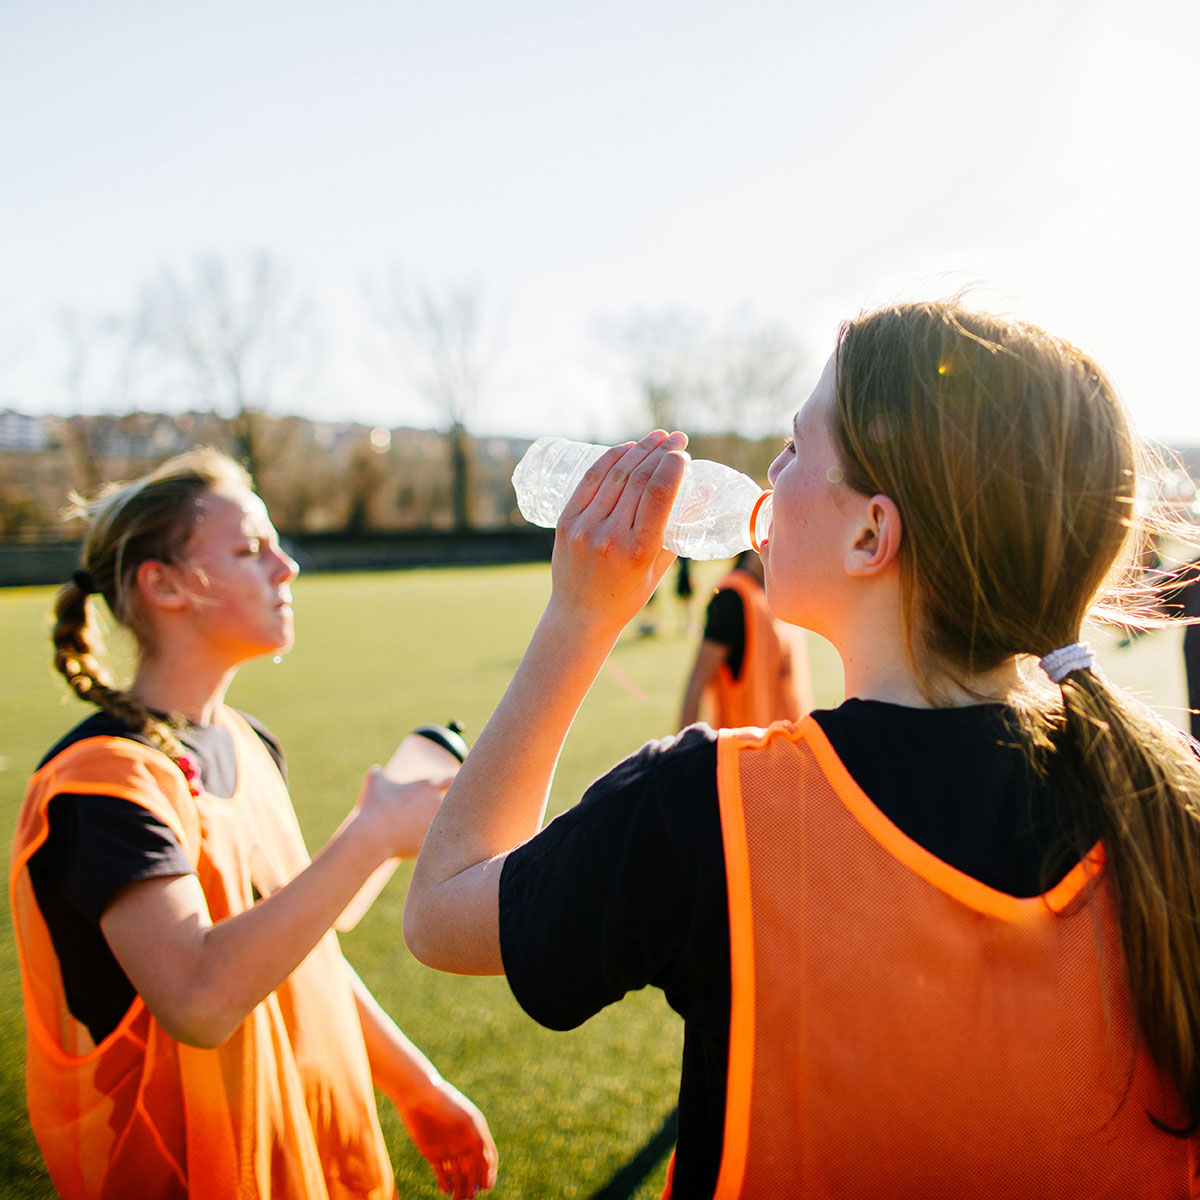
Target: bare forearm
[[498, 799], [608, 559], [201, 980], [443, 1124], [254, 952], [709, 658], [398, 1068], [689, 714]]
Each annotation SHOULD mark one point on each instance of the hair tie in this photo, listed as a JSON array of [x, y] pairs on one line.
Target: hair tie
[[1058, 664], [84, 582]]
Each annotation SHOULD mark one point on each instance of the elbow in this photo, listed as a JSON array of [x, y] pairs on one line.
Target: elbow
[[417, 933], [197, 1017], [454, 926], [201, 1031], [451, 939]]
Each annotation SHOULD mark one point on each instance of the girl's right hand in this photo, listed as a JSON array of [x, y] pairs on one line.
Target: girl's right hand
[[608, 549], [398, 814]]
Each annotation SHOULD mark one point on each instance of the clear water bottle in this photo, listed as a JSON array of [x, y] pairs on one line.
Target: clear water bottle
[[718, 512], [429, 752]]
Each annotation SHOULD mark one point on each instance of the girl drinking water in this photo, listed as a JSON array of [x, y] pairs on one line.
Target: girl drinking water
[[942, 940]]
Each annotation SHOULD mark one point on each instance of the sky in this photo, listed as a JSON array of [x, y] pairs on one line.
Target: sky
[[580, 164]]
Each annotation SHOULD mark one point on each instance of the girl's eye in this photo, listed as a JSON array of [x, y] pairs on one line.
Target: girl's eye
[[789, 445], [252, 547]]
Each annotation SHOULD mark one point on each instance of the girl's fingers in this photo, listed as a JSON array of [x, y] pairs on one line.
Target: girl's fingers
[[652, 500], [604, 484], [589, 485]]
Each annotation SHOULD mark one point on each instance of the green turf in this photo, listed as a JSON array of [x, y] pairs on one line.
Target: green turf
[[377, 655]]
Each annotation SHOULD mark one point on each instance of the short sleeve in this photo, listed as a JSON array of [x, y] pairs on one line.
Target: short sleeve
[[98, 844], [624, 890], [724, 621]]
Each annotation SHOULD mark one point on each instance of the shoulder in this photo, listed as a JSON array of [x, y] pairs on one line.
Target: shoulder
[[677, 751], [646, 804], [665, 772], [725, 615], [268, 738], [111, 777], [99, 724]]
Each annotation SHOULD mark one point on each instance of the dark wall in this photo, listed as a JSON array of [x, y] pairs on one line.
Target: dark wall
[[28, 564]]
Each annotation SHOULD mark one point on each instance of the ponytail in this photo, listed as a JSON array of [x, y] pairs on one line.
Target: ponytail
[[1116, 762]]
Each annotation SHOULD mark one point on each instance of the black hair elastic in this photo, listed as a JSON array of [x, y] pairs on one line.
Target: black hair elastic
[[84, 582]]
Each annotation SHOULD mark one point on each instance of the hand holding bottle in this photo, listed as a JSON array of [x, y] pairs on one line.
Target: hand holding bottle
[[399, 813], [415, 779], [608, 554], [718, 512]]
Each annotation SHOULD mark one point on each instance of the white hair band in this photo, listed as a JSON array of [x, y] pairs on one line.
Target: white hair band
[[1058, 664]]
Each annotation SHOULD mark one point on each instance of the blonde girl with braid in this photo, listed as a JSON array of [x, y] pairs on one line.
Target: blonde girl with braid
[[939, 941], [192, 1027]]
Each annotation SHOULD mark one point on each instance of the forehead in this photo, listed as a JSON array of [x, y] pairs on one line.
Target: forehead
[[229, 509], [815, 412]]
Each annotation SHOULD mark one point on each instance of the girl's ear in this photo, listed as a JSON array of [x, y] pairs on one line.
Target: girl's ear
[[159, 585], [878, 542]]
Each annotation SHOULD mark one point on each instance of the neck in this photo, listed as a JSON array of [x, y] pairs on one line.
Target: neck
[[194, 693], [874, 653]]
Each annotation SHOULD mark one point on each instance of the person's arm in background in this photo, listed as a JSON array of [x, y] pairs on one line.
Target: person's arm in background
[[710, 657], [444, 1125], [608, 559]]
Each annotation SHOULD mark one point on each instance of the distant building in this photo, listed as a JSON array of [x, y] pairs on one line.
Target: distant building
[[21, 432]]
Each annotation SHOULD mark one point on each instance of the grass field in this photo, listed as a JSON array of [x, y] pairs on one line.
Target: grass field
[[377, 655]]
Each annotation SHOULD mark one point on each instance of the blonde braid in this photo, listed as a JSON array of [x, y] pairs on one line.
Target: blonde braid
[[77, 641]]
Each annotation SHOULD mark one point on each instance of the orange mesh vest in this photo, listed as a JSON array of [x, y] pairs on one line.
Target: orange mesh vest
[[285, 1108], [765, 691], [899, 1029]]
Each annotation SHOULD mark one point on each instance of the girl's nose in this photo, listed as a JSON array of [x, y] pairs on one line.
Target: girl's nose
[[289, 566]]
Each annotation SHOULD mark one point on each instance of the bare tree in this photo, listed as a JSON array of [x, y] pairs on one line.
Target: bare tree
[[737, 379], [102, 367], [241, 338], [754, 370], [666, 354], [436, 340]]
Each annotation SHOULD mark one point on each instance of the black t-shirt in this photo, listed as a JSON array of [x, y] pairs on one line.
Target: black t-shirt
[[98, 844], [628, 888], [725, 624]]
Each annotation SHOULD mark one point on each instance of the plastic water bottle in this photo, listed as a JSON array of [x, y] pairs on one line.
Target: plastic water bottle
[[718, 512], [429, 752]]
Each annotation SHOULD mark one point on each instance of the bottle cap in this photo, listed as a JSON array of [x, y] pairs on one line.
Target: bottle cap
[[760, 521], [449, 737]]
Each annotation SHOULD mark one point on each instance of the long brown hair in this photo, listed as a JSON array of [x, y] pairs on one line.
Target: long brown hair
[[1011, 461], [128, 524]]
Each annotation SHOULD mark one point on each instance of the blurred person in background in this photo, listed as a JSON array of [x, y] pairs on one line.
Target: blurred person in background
[[192, 1027], [749, 669], [942, 940]]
